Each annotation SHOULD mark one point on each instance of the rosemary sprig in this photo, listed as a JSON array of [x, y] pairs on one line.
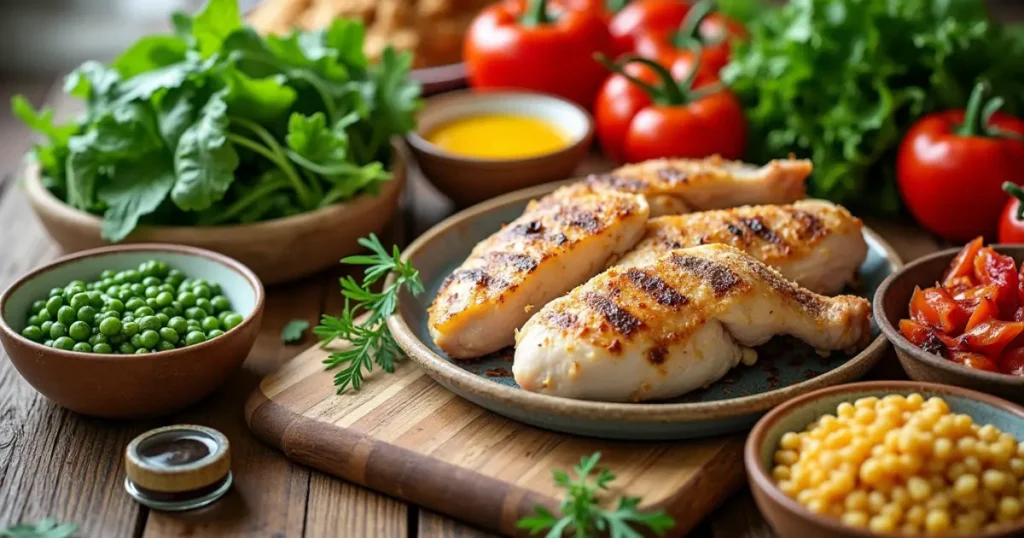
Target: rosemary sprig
[[362, 321], [584, 517]]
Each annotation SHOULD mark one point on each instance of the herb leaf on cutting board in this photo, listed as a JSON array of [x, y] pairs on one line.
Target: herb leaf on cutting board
[[582, 514], [363, 319], [45, 528], [224, 107], [840, 82], [294, 330]]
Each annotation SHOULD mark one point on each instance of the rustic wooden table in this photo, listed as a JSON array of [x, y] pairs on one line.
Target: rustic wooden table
[[54, 463]]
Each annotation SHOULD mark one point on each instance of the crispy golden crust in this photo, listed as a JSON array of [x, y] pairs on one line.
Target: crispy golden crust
[[549, 228], [666, 301], [772, 234]]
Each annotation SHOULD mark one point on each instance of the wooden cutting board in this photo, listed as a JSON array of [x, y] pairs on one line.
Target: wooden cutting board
[[406, 436]]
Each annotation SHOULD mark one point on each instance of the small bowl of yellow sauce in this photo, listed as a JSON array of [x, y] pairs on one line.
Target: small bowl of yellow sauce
[[476, 145]]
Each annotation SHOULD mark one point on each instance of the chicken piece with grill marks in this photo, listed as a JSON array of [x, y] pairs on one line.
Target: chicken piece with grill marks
[[558, 243], [662, 329], [677, 186], [817, 244]]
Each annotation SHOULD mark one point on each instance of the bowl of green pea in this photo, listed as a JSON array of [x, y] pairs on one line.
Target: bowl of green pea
[[131, 331]]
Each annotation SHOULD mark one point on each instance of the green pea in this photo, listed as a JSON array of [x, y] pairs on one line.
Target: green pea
[[169, 311], [204, 304], [110, 326], [71, 291], [164, 318], [214, 334], [220, 303], [194, 337], [151, 281], [111, 314], [210, 323], [178, 323], [98, 339], [151, 292], [195, 313], [44, 315], [57, 292], [64, 343], [112, 291], [151, 302], [115, 305], [166, 288], [149, 323], [79, 300], [48, 343], [33, 333], [233, 320], [38, 305], [136, 340], [138, 289], [164, 299], [127, 317], [131, 275], [86, 314], [187, 299], [82, 347], [125, 296], [175, 273], [102, 348], [95, 299], [126, 348], [34, 320], [46, 326], [80, 331], [57, 330], [79, 283], [201, 291], [193, 325], [107, 273], [115, 340], [160, 269], [141, 351], [67, 315], [150, 339], [223, 314], [129, 329], [164, 346], [54, 303], [143, 311], [169, 335], [134, 303]]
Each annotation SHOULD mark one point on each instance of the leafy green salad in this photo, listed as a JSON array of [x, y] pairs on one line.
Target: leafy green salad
[[216, 124]]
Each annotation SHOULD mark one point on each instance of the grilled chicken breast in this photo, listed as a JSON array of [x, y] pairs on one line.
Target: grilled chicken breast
[[558, 243], [677, 186], [817, 244], [662, 329]]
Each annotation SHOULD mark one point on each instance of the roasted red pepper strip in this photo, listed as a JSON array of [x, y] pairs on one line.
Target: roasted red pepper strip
[[935, 308], [963, 263], [1012, 362], [922, 337], [993, 336], [982, 310], [990, 267], [974, 360]]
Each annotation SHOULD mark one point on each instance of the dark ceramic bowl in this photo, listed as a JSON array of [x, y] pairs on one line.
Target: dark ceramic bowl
[[791, 519], [892, 303], [131, 386]]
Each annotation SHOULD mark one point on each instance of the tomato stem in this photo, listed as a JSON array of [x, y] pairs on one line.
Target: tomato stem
[[666, 92], [615, 6], [688, 33], [1017, 192], [978, 116], [536, 13]]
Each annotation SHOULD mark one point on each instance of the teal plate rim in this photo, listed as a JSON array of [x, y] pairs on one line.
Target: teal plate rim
[[484, 391]]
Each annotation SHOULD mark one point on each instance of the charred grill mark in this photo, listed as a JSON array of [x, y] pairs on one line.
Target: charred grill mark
[[811, 227], [734, 230], [761, 229], [619, 183], [621, 320], [719, 277], [563, 320], [656, 355], [673, 176], [655, 287], [807, 300]]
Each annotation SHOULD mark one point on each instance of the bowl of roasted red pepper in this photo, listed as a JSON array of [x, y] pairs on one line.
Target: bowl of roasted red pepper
[[957, 317]]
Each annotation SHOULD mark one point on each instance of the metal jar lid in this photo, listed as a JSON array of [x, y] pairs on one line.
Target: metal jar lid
[[178, 467]]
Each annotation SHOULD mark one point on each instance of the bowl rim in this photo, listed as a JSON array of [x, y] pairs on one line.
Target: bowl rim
[[37, 193], [439, 367], [226, 261], [419, 143], [758, 477], [900, 342]]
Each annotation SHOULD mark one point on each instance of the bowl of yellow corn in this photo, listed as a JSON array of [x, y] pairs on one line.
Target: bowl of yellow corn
[[890, 458]]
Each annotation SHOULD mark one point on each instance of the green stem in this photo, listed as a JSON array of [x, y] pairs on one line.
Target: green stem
[[536, 14], [615, 6], [689, 30], [1017, 192], [259, 192], [667, 92], [973, 125], [283, 164], [281, 160], [321, 169]]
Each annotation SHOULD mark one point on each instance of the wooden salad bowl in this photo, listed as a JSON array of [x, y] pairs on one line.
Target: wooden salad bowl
[[278, 250]]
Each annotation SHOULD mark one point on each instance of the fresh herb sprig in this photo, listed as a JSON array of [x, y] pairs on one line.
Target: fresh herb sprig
[[45, 528], [363, 321], [584, 517]]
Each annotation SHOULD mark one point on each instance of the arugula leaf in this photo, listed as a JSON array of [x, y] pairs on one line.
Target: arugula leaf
[[176, 111], [204, 161], [215, 23], [52, 157], [149, 53], [258, 99], [135, 189], [92, 81], [309, 137], [45, 528], [82, 171], [294, 330]]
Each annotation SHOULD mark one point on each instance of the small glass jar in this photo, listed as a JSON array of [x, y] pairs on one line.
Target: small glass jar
[[180, 467]]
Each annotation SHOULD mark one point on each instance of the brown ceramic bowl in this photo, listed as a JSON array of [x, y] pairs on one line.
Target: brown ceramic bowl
[[468, 180], [277, 250], [131, 386], [788, 517], [892, 303]]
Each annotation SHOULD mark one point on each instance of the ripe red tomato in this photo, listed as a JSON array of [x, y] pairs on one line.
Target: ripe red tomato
[[1011, 221]]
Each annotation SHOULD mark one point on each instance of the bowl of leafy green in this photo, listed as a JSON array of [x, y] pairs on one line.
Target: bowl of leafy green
[[275, 150]]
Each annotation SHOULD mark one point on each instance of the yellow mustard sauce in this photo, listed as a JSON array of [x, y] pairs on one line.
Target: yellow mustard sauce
[[498, 136]]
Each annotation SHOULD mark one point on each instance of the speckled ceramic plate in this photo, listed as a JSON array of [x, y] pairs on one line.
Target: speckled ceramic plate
[[785, 367]]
